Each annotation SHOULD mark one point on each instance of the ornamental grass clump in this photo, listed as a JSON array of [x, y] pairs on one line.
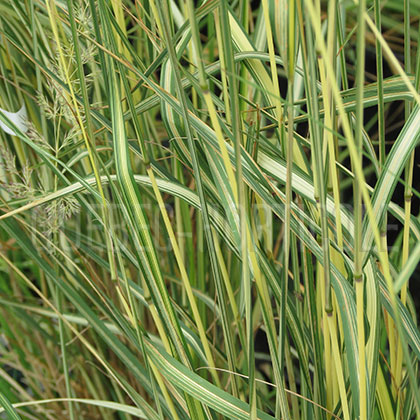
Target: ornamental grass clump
[[209, 209]]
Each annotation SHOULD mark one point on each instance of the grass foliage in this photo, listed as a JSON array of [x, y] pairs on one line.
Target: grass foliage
[[201, 217]]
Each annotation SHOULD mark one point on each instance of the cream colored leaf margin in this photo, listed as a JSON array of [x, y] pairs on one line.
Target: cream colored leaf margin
[[19, 119]]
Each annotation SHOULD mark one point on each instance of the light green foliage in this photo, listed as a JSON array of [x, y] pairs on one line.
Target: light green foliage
[[195, 222]]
